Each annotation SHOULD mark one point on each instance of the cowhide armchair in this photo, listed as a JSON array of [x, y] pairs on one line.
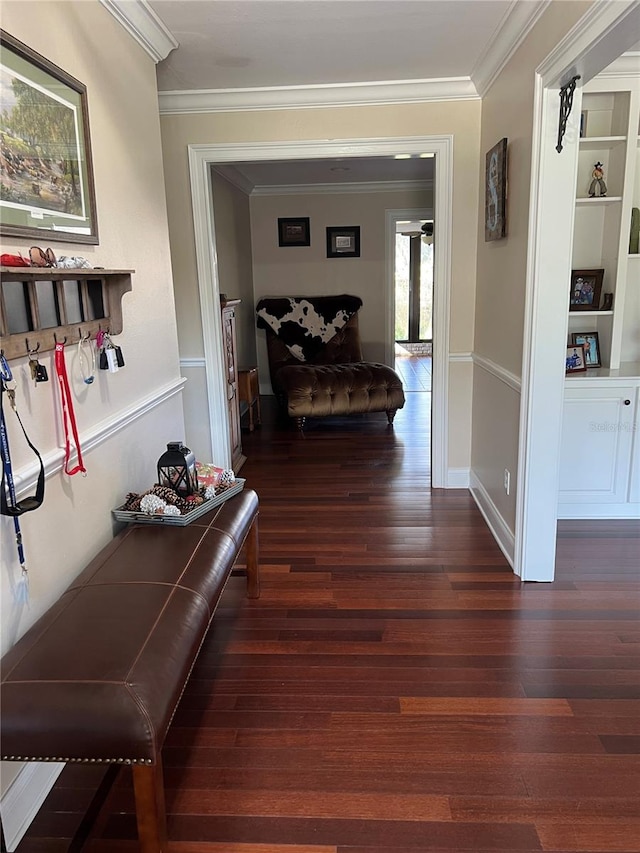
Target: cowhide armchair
[[315, 359]]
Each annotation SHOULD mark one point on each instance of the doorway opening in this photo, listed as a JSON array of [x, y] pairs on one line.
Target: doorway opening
[[413, 301]]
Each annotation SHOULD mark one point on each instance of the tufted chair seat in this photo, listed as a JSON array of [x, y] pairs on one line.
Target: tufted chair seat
[[336, 382]]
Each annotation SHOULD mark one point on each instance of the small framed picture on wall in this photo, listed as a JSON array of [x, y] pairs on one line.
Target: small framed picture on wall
[[294, 231], [343, 242]]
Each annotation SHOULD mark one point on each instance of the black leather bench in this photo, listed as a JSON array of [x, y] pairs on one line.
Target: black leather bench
[[98, 677]]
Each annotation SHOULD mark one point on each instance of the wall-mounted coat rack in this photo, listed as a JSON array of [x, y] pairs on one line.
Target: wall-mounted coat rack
[[40, 306]]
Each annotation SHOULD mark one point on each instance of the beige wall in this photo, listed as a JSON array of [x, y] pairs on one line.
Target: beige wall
[[232, 221], [75, 519], [507, 110], [460, 119], [306, 271]]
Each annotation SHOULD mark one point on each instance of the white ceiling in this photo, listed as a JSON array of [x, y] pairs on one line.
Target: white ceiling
[[231, 44], [266, 54], [265, 176]]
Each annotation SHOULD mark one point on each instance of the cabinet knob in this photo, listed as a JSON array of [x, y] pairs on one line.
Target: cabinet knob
[[627, 402]]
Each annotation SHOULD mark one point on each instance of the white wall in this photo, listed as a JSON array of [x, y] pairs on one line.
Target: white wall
[[74, 522], [232, 219]]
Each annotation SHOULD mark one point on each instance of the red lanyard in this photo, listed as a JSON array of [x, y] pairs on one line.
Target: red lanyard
[[68, 415]]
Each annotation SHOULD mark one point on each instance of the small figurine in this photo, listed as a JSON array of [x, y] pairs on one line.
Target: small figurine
[[597, 181]]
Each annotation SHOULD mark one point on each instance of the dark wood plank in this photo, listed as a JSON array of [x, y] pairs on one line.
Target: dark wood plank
[[396, 689]]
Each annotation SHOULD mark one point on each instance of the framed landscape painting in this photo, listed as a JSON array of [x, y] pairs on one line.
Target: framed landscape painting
[[46, 174]]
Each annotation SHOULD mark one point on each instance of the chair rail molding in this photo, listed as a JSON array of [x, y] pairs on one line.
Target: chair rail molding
[[498, 371], [191, 363], [26, 477]]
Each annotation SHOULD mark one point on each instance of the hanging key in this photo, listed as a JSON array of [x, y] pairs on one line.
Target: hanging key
[[38, 371]]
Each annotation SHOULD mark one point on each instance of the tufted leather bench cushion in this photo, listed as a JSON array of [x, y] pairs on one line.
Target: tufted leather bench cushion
[[340, 389], [99, 675]]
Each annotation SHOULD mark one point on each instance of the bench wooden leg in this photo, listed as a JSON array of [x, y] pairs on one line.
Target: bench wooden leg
[[251, 554], [150, 811]]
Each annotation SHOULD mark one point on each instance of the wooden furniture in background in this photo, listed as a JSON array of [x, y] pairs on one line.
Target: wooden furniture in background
[[231, 381], [249, 393]]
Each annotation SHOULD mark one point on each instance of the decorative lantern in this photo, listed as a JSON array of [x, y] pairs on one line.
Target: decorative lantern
[[177, 469]]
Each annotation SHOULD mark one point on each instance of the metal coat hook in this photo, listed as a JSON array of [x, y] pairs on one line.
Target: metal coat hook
[[29, 350], [55, 338], [87, 337]]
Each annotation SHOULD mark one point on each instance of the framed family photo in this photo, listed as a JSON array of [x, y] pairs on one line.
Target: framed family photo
[[585, 290], [46, 172], [294, 231], [576, 360], [591, 343]]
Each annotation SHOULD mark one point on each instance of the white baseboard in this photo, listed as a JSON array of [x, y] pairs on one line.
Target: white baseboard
[[501, 531], [584, 510], [23, 798], [457, 478]]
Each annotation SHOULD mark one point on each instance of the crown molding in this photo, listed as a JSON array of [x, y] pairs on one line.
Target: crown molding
[[141, 22], [610, 20], [627, 65], [330, 95], [342, 188], [517, 23], [234, 176]]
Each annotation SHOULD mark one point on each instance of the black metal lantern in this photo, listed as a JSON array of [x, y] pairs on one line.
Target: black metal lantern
[[177, 469]]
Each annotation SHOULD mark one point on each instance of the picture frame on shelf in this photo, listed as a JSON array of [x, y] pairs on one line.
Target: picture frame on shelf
[[47, 183], [607, 302], [576, 361], [590, 341], [495, 192], [294, 231], [585, 290], [343, 241]]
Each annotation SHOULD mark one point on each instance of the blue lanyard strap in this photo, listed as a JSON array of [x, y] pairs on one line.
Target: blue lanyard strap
[[9, 505]]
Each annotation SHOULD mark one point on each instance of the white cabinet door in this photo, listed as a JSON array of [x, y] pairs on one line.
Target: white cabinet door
[[597, 433]]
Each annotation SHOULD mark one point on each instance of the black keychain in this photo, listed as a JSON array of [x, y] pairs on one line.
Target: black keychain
[[38, 371], [111, 357]]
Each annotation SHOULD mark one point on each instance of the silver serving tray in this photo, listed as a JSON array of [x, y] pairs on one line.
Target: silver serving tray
[[180, 520]]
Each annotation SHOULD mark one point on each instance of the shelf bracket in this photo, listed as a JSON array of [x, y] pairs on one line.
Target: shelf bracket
[[566, 103]]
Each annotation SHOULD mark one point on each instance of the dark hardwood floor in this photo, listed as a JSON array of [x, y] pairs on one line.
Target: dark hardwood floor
[[396, 688]]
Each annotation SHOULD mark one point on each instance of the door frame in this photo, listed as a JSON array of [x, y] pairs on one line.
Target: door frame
[[205, 155], [598, 38], [392, 217]]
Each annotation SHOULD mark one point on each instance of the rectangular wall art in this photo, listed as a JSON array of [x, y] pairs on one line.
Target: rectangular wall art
[[46, 173], [495, 192]]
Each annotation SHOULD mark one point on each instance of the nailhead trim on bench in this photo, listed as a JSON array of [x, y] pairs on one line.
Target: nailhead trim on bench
[[78, 760]]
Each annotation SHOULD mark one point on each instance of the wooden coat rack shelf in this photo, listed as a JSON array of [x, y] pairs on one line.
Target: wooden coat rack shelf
[[40, 306]]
